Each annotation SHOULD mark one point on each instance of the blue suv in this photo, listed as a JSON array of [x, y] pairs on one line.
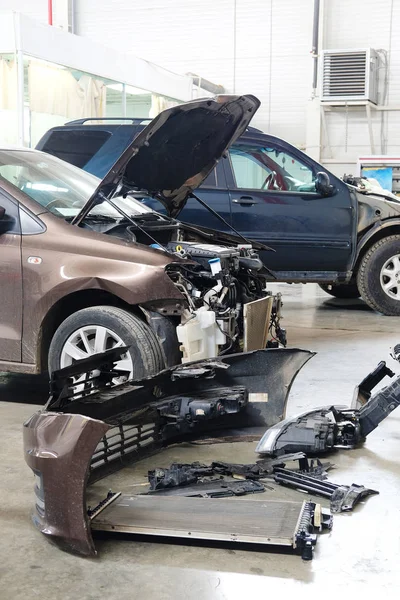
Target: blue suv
[[343, 235]]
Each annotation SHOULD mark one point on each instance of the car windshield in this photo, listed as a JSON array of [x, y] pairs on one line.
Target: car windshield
[[58, 186]]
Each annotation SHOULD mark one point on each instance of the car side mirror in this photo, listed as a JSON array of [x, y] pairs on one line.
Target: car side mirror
[[323, 184]]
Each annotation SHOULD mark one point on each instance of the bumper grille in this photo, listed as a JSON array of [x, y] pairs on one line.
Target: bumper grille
[[123, 444]]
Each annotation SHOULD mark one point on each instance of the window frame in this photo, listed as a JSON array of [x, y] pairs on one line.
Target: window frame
[[220, 177], [38, 225], [5, 201], [262, 143], [53, 137]]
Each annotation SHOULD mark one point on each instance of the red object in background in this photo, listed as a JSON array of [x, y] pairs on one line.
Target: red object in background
[[50, 11]]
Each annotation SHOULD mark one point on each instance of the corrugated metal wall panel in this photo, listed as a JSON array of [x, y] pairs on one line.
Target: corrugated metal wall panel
[[347, 138], [200, 36], [393, 46], [351, 24], [173, 31], [355, 24], [279, 70], [273, 42], [182, 36]]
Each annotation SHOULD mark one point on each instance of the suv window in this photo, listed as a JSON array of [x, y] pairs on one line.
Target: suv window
[[261, 168], [75, 147]]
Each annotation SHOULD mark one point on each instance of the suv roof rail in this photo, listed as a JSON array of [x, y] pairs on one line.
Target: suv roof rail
[[254, 130], [133, 120]]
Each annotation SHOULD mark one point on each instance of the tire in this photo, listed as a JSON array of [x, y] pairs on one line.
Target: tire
[[104, 327], [344, 290], [380, 259]]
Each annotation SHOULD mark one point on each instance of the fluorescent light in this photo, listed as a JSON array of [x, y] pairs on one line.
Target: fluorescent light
[[115, 86], [135, 91]]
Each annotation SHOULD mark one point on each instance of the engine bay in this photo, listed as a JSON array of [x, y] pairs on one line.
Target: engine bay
[[227, 307]]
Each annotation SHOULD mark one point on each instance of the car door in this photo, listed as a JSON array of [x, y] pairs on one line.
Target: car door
[[274, 201], [10, 282], [213, 191]]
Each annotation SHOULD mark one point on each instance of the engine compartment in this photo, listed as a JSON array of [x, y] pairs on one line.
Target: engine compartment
[[217, 282]]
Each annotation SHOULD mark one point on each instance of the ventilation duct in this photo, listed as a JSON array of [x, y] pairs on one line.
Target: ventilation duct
[[206, 85]]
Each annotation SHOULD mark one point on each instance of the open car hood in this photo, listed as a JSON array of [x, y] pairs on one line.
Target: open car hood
[[177, 150]]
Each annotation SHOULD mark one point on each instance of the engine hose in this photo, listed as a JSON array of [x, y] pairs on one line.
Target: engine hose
[[214, 291], [232, 295]]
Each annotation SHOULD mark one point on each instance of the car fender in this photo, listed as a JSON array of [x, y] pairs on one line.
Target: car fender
[[375, 231], [134, 289]]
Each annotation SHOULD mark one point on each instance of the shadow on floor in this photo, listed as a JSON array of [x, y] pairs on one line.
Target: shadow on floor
[[345, 304], [28, 389], [237, 562]]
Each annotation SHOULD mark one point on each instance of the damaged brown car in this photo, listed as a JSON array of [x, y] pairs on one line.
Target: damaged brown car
[[86, 267]]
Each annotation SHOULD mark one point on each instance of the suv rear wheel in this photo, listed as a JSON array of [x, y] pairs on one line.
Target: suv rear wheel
[[93, 330], [344, 290], [378, 276]]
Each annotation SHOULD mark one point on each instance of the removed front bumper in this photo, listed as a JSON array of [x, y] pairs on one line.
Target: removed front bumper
[[85, 438]]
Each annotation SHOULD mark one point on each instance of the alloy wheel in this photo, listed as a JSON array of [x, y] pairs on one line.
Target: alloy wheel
[[90, 340], [390, 277]]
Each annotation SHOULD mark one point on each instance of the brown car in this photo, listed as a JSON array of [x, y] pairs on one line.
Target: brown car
[[85, 266]]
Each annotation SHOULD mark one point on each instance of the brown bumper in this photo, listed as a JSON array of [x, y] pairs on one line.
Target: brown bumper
[[122, 424], [58, 448]]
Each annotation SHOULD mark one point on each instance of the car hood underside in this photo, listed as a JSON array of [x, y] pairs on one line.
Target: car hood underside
[[177, 150]]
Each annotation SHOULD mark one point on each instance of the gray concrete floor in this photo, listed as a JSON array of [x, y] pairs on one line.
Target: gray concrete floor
[[360, 554]]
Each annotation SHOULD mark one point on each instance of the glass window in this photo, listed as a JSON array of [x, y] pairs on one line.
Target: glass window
[[55, 94], [264, 168], [138, 102], [60, 187], [75, 147], [30, 225]]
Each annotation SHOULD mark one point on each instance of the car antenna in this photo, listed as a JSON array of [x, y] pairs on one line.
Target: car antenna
[[213, 212]]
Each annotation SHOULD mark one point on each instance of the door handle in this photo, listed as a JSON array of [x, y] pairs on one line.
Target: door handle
[[245, 201]]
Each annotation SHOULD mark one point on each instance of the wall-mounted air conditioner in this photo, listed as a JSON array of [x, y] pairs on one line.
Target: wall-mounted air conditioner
[[350, 75]]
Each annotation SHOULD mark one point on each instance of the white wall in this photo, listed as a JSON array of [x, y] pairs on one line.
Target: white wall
[[364, 24], [261, 47], [37, 9], [199, 36], [257, 46]]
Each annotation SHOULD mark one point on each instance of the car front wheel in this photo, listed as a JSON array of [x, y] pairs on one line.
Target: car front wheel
[[93, 330], [378, 276]]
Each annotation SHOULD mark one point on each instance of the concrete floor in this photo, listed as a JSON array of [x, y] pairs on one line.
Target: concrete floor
[[361, 553]]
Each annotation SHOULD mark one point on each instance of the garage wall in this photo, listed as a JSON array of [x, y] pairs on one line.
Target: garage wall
[[353, 24], [199, 36], [36, 9], [261, 47], [257, 46]]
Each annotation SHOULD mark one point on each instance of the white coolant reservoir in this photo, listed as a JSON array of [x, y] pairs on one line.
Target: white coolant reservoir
[[200, 336]]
